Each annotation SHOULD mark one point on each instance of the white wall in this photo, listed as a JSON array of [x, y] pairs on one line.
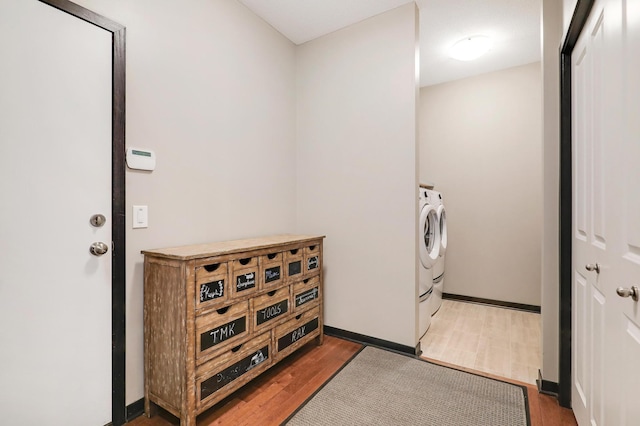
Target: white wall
[[210, 88], [552, 34], [357, 176], [481, 145]]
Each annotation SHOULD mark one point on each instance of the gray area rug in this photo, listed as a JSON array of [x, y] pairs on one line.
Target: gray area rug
[[379, 387]]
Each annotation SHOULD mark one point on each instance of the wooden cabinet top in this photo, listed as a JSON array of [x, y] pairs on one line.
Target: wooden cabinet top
[[229, 247]]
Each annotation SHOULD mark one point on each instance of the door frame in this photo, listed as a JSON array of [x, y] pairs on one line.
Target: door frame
[[118, 283], [578, 21]]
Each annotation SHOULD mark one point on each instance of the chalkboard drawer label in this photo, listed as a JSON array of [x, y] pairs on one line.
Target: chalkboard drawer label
[[245, 281], [313, 263], [211, 290], [272, 274], [212, 283], [222, 378], [293, 261], [295, 268], [222, 333], [297, 334], [307, 296], [271, 312]]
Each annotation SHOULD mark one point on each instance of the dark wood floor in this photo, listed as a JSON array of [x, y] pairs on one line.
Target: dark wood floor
[[272, 397]]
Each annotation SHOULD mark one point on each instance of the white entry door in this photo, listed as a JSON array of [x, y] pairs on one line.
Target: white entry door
[[606, 242], [55, 173]]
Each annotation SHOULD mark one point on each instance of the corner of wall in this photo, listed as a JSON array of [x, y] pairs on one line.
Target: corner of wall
[[552, 21]]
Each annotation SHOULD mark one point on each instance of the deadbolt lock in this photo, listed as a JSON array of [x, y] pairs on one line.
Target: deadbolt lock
[[98, 220]]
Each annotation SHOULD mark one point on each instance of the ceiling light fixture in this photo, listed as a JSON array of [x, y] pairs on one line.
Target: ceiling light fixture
[[470, 48]]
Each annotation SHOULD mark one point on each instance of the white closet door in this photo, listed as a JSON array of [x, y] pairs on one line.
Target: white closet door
[[606, 242]]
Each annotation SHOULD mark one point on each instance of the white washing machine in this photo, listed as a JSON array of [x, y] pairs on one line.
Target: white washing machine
[[438, 266], [429, 242]]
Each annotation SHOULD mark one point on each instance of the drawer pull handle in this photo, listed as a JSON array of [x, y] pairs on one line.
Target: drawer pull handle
[[298, 316], [294, 251], [271, 293], [237, 348], [223, 311], [306, 281], [212, 267], [272, 256], [312, 247], [245, 261]]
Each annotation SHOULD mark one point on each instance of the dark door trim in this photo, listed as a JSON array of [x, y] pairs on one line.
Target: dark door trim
[[118, 406], [578, 21]]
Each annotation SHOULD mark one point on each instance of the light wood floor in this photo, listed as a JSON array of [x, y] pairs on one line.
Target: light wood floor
[[272, 397], [495, 340]]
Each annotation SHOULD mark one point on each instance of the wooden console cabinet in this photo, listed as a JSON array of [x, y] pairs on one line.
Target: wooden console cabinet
[[217, 315]]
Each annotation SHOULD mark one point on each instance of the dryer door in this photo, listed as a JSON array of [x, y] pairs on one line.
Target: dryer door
[[429, 236], [442, 225]]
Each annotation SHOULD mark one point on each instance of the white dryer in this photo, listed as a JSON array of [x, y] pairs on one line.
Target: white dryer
[[438, 266], [429, 242]]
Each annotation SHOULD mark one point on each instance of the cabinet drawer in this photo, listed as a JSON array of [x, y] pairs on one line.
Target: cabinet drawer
[[270, 308], [293, 264], [294, 333], [312, 260], [212, 284], [244, 276], [306, 294], [221, 328], [271, 270], [232, 369]]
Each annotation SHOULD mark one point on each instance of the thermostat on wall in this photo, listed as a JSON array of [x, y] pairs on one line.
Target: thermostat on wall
[[141, 159]]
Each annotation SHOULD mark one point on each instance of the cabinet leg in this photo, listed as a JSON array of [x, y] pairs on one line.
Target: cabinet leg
[[150, 409], [320, 339], [188, 420]]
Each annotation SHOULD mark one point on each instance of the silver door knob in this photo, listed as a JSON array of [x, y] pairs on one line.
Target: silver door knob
[[98, 248], [626, 292], [593, 267]]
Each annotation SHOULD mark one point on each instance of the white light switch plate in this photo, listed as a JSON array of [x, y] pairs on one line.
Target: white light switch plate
[[140, 217]]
